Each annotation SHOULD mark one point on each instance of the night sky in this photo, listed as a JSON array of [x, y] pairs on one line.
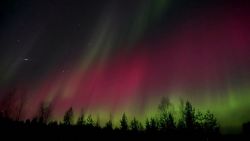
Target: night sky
[[111, 56]]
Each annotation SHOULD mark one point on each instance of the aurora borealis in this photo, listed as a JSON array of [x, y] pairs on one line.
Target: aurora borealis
[[111, 56]]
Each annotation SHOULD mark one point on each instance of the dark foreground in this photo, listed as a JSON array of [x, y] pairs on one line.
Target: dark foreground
[[79, 133], [194, 126]]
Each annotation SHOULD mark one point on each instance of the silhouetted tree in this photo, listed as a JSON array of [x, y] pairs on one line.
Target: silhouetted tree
[[124, 122], [89, 121], [17, 106], [27, 121], [181, 124], [147, 124], [181, 121], [97, 123], [151, 125], [34, 121], [81, 121], [135, 125], [210, 123], [20, 107], [109, 124], [166, 120], [170, 122], [199, 120], [246, 128], [44, 113], [68, 116], [189, 114]]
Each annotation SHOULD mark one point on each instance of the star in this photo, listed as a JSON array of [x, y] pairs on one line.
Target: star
[[26, 59]]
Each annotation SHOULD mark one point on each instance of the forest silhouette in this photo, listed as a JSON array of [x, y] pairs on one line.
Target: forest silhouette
[[192, 124]]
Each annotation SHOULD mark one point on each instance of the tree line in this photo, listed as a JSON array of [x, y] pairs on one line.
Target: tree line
[[187, 121], [190, 120]]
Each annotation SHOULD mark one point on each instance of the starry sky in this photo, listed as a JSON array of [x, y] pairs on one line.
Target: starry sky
[[111, 56]]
